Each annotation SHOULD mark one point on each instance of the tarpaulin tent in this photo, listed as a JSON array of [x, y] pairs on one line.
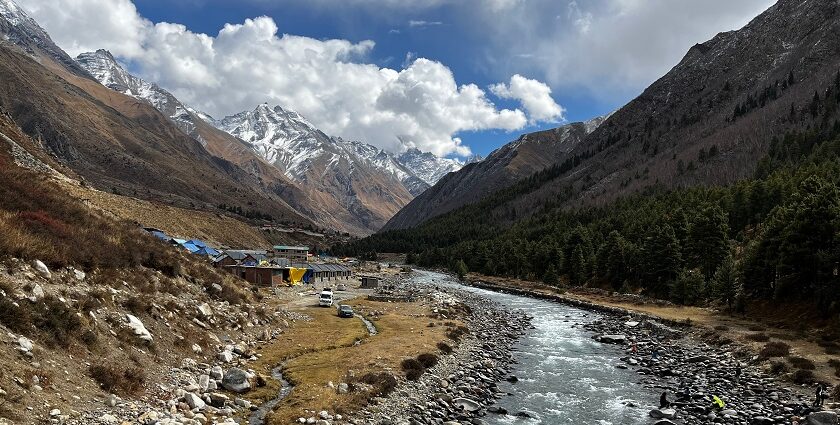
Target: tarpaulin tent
[[296, 275]]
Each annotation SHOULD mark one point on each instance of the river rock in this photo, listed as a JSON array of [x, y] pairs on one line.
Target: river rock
[[822, 418], [663, 413], [466, 404], [137, 326], [612, 339], [24, 344], [204, 310], [236, 380], [225, 356], [217, 373]]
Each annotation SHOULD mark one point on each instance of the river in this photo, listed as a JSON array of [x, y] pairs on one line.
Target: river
[[565, 377]]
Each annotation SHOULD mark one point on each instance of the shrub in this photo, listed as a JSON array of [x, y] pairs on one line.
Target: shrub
[[444, 348], [803, 376], [774, 349], [778, 368], [801, 363], [59, 322], [759, 337], [428, 360], [115, 379], [384, 383], [457, 333], [413, 369]]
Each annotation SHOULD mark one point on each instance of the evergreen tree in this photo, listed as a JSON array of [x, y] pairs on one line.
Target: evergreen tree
[[460, 269], [724, 286], [550, 276], [688, 288], [661, 260], [707, 241]]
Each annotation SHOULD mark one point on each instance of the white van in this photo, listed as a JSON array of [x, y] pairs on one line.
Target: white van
[[326, 298]]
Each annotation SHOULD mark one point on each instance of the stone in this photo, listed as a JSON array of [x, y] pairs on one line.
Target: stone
[[218, 399], [822, 418], [245, 404], [79, 275], [664, 422], [663, 413], [343, 388], [55, 412], [466, 404], [225, 356], [109, 419], [137, 326], [217, 373], [204, 310], [111, 400], [203, 383], [37, 292], [612, 339], [196, 349], [194, 401], [24, 344], [42, 269], [236, 380]]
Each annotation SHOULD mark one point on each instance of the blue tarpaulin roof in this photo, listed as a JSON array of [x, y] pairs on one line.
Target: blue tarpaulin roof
[[198, 243], [190, 247], [207, 251]]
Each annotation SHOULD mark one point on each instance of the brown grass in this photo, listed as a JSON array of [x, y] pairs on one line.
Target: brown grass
[[312, 362], [774, 349], [801, 363], [118, 379]]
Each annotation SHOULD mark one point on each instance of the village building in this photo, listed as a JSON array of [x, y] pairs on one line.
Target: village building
[[295, 254], [370, 282], [232, 257]]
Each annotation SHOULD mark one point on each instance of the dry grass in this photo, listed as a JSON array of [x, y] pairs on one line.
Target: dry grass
[[324, 350], [118, 379]]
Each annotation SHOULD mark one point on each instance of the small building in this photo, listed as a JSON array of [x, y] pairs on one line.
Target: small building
[[233, 257], [299, 254], [329, 272], [370, 282], [265, 275]]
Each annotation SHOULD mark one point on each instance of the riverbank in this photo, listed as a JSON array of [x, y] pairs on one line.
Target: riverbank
[[687, 360]]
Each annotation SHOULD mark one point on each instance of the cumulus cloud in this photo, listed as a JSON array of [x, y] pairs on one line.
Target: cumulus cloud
[[609, 49], [327, 81], [534, 95]]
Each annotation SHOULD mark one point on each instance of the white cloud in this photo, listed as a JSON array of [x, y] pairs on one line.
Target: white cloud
[[414, 23], [327, 81], [534, 96]]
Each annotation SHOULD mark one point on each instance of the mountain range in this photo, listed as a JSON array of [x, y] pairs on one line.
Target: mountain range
[[319, 180]]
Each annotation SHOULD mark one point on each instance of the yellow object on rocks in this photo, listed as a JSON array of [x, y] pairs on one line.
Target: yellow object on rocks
[[296, 275]]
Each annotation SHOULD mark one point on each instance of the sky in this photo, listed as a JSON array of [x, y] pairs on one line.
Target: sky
[[453, 77]]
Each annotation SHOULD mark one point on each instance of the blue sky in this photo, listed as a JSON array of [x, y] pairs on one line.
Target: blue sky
[[444, 39], [593, 56]]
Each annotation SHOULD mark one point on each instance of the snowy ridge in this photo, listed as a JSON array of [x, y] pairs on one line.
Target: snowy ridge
[[290, 142]]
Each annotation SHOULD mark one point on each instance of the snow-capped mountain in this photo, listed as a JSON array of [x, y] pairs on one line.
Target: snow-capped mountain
[[427, 166], [287, 140], [102, 65]]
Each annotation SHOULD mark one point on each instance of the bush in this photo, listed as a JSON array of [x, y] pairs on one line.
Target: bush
[[456, 333], [428, 360], [413, 369], [384, 383], [444, 348], [115, 379], [774, 349], [759, 337], [801, 363], [803, 376], [778, 368]]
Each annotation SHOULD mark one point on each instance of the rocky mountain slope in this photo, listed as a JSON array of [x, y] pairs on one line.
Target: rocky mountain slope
[[290, 146], [114, 141], [514, 161], [709, 120]]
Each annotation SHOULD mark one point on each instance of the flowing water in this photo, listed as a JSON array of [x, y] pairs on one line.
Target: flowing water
[[565, 377]]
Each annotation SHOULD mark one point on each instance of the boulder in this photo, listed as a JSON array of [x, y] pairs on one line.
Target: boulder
[[37, 292], [24, 344], [217, 373], [663, 413], [822, 418], [466, 404], [225, 356], [137, 326], [194, 401], [236, 380], [79, 275], [42, 269], [204, 310], [343, 388]]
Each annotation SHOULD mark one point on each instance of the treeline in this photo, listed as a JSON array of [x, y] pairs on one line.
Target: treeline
[[775, 236]]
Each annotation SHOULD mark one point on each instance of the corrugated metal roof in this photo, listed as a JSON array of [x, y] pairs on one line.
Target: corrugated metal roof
[[291, 248]]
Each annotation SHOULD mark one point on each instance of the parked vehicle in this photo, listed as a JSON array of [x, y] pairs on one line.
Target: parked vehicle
[[345, 311], [341, 287], [326, 298]]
